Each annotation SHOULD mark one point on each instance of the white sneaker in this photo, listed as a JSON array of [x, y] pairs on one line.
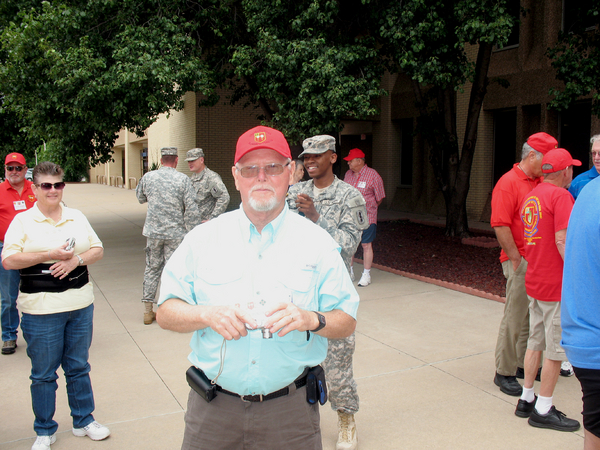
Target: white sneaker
[[43, 442], [94, 431], [365, 279], [566, 369], [352, 277]]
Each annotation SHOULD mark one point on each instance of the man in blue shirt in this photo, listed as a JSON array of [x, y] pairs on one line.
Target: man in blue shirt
[[580, 306], [234, 275], [584, 178]]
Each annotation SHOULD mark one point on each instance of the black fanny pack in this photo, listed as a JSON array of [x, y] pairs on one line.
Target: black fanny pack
[[37, 278]]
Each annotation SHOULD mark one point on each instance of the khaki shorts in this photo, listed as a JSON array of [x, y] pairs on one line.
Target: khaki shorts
[[544, 329]]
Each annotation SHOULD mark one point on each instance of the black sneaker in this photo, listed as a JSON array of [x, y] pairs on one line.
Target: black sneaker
[[554, 420], [521, 374], [508, 385], [524, 409], [9, 347]]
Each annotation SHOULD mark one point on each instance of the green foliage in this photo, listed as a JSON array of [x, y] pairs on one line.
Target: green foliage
[[576, 58]]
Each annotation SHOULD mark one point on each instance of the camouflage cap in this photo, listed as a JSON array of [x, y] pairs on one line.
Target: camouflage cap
[[317, 144], [194, 154], [168, 151]]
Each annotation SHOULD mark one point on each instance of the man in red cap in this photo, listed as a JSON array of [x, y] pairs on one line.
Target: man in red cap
[[545, 214], [16, 196], [261, 314], [507, 199], [370, 185]]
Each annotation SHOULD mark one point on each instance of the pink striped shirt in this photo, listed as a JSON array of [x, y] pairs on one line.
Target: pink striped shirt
[[370, 185]]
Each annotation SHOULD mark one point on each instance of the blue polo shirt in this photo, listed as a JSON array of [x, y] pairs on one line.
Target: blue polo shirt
[[581, 180]]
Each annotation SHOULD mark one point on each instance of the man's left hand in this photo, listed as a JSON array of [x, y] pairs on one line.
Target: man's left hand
[[286, 317]]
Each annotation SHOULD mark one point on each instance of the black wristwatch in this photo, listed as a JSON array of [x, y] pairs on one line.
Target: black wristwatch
[[322, 322]]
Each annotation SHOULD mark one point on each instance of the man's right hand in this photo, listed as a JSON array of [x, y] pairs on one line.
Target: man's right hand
[[229, 321]]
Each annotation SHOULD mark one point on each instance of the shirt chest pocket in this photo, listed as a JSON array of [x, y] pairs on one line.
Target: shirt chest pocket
[[219, 285], [301, 284]]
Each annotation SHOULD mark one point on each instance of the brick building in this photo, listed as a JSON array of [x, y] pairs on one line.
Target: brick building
[[509, 116]]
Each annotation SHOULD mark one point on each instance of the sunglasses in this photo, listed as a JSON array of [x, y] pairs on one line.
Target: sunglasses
[[47, 186], [17, 168]]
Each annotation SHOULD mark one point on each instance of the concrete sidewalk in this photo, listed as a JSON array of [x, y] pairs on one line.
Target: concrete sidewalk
[[424, 362]]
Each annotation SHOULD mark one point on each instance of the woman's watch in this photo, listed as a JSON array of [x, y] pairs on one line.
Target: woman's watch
[[80, 260], [322, 322]]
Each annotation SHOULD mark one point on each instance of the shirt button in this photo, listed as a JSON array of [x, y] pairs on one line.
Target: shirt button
[[253, 362], [259, 256]]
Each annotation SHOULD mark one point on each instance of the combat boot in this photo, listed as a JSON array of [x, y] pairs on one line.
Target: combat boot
[[149, 315], [347, 439]]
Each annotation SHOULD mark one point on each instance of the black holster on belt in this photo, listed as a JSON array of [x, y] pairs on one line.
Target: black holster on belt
[[200, 383], [34, 281], [316, 387]]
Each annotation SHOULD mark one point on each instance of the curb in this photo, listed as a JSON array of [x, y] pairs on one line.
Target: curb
[[444, 284]]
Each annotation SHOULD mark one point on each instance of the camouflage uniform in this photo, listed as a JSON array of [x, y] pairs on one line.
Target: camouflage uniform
[[172, 212], [211, 194], [342, 212]]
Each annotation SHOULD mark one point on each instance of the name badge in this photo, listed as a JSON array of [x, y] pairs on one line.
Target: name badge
[[20, 205], [362, 184]]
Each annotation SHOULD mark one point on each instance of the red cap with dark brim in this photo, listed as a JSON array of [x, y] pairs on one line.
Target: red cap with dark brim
[[15, 157], [542, 142], [558, 159], [354, 153], [262, 137]]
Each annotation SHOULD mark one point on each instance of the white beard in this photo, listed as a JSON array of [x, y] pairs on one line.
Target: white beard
[[262, 205]]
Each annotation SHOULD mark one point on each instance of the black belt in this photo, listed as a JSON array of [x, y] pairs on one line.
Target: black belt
[[299, 382]]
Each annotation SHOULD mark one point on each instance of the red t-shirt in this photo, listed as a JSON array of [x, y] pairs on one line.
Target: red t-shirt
[[545, 211], [507, 198], [11, 203]]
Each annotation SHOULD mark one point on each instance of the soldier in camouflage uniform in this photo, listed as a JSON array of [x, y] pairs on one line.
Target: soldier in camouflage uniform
[[340, 209], [172, 212], [211, 194]]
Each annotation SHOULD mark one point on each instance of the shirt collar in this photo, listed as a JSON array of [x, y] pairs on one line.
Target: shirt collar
[[66, 215], [273, 227]]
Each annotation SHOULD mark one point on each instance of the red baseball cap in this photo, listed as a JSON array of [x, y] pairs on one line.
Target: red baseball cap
[[262, 137], [558, 159], [15, 157], [354, 153], [542, 142]]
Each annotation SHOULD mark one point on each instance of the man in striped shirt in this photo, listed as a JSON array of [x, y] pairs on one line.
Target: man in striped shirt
[[370, 185]]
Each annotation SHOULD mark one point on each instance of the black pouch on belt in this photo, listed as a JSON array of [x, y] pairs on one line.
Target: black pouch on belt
[[316, 387], [200, 383], [38, 279]]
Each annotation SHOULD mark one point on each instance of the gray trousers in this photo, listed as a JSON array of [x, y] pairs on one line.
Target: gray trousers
[[227, 422], [514, 327]]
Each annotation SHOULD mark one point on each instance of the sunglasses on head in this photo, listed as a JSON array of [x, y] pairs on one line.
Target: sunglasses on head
[[47, 186], [17, 168]]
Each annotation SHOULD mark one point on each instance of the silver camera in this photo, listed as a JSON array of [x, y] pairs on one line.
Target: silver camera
[[260, 320]]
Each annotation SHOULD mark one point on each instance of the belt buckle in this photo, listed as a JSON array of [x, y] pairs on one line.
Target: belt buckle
[[243, 397]]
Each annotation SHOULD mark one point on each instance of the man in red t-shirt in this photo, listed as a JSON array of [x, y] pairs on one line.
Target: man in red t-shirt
[[15, 196], [507, 198], [545, 214]]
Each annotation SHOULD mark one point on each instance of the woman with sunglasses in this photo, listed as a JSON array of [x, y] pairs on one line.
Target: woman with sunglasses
[[56, 299]]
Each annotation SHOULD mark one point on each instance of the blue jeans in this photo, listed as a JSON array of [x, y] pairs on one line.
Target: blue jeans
[[9, 291], [54, 340]]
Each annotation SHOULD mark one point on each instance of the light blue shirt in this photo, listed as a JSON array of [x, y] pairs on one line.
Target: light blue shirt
[[581, 180], [227, 262]]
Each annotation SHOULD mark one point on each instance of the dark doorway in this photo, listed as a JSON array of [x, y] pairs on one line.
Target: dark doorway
[[575, 129], [505, 142]]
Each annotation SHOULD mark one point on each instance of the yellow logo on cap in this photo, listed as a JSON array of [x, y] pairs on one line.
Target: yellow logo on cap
[[260, 137]]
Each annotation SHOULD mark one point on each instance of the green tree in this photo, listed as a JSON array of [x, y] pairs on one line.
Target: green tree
[[576, 58], [428, 41]]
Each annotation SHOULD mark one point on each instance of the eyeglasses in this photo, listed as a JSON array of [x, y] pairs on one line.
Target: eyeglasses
[[270, 169], [47, 186], [17, 168], [595, 154]]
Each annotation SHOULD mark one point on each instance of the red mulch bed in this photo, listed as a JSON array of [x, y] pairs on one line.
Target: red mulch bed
[[425, 250]]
